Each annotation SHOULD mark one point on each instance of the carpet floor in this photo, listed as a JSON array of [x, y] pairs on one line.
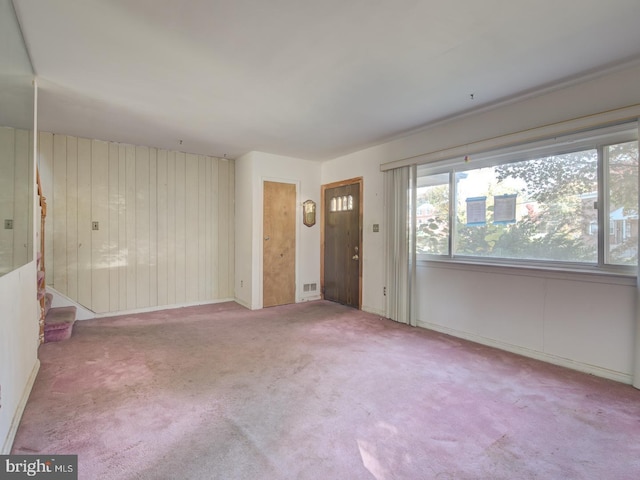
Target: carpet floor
[[317, 391]]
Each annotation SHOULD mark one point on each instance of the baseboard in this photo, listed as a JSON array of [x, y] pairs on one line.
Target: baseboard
[[83, 313], [374, 311], [61, 300], [162, 307], [525, 352], [17, 416], [298, 300], [243, 303], [310, 298]]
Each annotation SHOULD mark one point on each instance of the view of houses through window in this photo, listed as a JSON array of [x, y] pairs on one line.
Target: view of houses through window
[[538, 208]]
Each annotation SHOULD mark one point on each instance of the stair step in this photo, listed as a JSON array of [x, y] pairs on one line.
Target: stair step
[[48, 298], [58, 324]]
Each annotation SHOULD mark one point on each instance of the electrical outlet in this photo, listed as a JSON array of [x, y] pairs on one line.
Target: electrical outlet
[[376, 227], [8, 224], [95, 225]]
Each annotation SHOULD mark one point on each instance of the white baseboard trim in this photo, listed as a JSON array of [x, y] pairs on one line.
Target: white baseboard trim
[[61, 300], [243, 303], [162, 307], [309, 298], [17, 416], [374, 311], [298, 300], [83, 313], [525, 352]]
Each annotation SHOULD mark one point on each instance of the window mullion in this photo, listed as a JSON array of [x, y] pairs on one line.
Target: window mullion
[[453, 199], [602, 206]]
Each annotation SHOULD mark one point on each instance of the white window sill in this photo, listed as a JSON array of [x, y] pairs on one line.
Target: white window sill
[[580, 273]]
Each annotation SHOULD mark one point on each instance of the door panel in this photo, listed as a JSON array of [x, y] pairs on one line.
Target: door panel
[[279, 244], [342, 245]]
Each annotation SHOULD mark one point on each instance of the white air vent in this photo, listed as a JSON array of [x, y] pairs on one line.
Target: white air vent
[[310, 287]]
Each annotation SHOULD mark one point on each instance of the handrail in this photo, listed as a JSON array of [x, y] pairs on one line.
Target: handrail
[[42, 283]]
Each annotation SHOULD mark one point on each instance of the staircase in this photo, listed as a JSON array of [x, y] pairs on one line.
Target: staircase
[[56, 324]]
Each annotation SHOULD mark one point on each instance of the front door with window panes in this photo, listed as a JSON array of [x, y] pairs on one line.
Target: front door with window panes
[[342, 255]]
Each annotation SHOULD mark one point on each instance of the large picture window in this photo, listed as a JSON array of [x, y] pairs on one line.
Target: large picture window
[[570, 201]]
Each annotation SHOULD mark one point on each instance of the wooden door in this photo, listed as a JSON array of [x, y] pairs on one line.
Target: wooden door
[[342, 243], [279, 244]]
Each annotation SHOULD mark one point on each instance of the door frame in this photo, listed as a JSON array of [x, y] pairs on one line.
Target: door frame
[[351, 181]]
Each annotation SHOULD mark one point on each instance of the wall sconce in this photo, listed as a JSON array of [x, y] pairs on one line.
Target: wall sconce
[[309, 213]]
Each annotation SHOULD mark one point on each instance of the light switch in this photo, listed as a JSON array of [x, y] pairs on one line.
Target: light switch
[[376, 227]]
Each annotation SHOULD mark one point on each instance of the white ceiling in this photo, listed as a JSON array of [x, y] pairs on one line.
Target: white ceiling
[[311, 79]]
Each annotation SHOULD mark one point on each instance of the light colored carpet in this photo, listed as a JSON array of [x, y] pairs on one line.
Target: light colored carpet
[[317, 391]]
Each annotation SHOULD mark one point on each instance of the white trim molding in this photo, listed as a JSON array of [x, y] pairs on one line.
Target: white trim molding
[[17, 416], [525, 352], [618, 115]]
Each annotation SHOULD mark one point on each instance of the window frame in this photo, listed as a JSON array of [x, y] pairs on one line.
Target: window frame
[[596, 138]]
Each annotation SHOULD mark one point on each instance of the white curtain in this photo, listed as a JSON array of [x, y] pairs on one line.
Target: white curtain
[[400, 198], [635, 378]]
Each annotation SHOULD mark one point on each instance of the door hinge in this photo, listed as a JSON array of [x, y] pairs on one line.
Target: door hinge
[[384, 291]]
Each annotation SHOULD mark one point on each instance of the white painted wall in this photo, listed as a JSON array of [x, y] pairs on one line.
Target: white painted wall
[[591, 95], [362, 164], [568, 320], [252, 170], [19, 318], [18, 347], [244, 273], [166, 224], [583, 324]]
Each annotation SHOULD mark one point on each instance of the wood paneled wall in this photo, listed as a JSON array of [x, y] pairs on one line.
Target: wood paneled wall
[[165, 224], [16, 175]]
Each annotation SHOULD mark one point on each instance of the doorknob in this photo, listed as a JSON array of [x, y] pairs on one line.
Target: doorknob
[[267, 237], [355, 257]]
